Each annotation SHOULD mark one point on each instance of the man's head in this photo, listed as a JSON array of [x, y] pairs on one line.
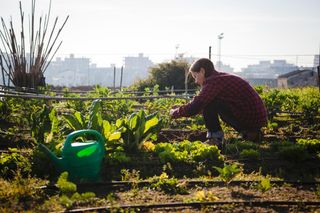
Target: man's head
[[201, 69]]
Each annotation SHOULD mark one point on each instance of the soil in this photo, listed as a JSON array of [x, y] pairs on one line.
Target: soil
[[145, 195]]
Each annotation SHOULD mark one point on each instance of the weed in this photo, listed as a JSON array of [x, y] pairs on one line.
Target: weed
[[21, 191], [70, 197], [228, 172], [203, 196], [264, 184], [134, 175], [12, 162], [168, 185], [66, 187]]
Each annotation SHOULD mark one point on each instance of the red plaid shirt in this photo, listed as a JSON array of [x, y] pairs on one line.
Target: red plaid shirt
[[244, 102]]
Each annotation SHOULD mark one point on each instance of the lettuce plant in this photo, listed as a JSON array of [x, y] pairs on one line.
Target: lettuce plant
[[138, 128]]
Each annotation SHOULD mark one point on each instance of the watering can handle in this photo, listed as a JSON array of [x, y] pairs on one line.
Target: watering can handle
[[72, 136]]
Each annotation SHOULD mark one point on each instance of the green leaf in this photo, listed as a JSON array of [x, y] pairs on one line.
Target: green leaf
[[106, 128], [54, 121], [133, 121], [79, 117], [72, 121], [94, 120], [114, 136], [151, 123], [119, 123]]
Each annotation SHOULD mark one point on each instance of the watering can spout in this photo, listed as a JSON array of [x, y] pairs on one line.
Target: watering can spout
[[53, 157]]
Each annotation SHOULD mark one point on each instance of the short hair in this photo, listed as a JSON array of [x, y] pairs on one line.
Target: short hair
[[204, 63]]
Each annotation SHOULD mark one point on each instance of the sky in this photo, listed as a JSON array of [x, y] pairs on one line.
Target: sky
[[109, 30]]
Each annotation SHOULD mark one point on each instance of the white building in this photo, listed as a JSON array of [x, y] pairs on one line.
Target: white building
[[268, 69], [135, 68]]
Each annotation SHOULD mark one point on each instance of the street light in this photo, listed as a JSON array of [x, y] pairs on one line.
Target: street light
[[220, 36]]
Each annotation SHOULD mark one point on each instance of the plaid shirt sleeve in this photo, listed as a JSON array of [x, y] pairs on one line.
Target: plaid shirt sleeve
[[198, 103]]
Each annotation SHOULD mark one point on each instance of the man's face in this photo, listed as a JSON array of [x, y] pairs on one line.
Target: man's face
[[198, 76]]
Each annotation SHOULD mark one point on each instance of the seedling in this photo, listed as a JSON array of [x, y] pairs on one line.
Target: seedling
[[264, 184], [228, 172]]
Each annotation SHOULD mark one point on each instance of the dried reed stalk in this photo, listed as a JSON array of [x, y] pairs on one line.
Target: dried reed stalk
[[26, 69]]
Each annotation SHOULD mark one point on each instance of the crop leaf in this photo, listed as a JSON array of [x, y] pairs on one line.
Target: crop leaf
[[73, 122]]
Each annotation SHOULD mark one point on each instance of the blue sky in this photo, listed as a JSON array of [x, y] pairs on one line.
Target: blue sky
[[108, 30]]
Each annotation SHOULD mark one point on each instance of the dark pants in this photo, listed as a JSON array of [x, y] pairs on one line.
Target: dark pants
[[211, 117]]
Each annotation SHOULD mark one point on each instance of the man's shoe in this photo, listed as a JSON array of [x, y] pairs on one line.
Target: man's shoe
[[215, 138], [219, 142]]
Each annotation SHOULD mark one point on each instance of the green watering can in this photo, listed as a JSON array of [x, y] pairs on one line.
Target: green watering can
[[82, 160]]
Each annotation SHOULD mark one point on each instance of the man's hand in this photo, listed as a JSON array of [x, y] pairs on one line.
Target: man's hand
[[174, 112]]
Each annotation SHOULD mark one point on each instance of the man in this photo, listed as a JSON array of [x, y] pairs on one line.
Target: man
[[227, 96]]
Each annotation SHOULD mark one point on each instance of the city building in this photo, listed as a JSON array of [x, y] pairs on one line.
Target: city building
[[223, 67], [135, 68], [267, 69], [73, 71], [298, 78]]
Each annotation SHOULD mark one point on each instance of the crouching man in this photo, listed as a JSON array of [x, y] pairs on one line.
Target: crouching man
[[226, 96]]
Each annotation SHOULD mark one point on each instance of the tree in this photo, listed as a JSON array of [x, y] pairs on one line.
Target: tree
[[168, 75]]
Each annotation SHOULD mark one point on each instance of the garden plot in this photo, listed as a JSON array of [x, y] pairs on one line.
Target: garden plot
[[155, 164]]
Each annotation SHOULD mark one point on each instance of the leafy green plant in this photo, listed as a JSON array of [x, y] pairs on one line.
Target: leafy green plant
[[69, 195], [312, 145], [12, 162], [237, 146], [66, 187], [4, 110], [167, 185], [311, 109], [116, 156], [189, 152], [296, 153], [40, 123], [20, 191], [77, 121], [138, 128], [203, 196], [279, 100], [94, 120], [250, 154], [228, 172], [265, 184]]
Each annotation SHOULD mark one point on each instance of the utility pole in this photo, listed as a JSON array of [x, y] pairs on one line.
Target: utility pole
[[210, 52], [121, 74], [114, 78], [220, 37], [319, 70]]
